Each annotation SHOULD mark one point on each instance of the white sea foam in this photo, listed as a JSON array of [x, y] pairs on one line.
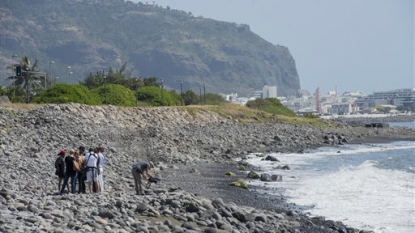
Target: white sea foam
[[361, 196], [371, 198]]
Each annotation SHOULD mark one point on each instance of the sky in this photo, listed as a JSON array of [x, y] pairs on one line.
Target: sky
[[348, 45]]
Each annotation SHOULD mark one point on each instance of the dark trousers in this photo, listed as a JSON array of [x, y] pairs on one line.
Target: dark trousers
[[81, 182], [73, 182]]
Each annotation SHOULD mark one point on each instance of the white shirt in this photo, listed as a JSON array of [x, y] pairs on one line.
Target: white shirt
[[101, 160], [91, 158]]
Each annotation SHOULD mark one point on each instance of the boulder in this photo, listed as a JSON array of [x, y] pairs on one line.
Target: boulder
[[271, 158], [265, 177], [239, 184], [253, 175]]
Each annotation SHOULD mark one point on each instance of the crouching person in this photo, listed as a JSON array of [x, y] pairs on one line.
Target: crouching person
[[141, 170]]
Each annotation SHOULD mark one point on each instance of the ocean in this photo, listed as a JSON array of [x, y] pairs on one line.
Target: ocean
[[366, 186]]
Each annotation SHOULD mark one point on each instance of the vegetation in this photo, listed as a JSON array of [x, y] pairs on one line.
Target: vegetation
[[67, 93], [2, 92], [116, 87], [98, 79], [310, 115], [190, 97], [243, 114], [156, 96], [115, 94], [29, 83], [213, 99], [271, 105]]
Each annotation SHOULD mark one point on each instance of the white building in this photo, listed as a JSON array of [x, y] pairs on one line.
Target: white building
[[230, 97], [269, 92], [343, 108], [400, 97]]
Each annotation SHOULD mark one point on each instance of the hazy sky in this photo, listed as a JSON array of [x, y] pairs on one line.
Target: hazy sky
[[365, 45]]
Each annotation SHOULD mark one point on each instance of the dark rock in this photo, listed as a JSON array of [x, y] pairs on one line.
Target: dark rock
[[192, 207], [265, 177], [210, 230], [240, 216], [104, 213], [271, 158], [141, 207]]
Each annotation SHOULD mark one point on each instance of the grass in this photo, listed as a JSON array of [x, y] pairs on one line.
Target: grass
[[237, 113], [243, 114], [229, 111], [21, 106]]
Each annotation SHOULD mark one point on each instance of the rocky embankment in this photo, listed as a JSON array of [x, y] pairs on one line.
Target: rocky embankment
[[193, 152]]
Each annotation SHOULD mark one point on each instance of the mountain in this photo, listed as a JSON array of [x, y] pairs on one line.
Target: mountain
[[173, 45]]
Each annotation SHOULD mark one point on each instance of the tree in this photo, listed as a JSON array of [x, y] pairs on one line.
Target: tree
[[119, 77], [189, 97], [151, 81], [93, 81], [31, 80]]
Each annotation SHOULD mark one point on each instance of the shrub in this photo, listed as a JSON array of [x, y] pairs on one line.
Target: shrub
[[271, 105], [176, 98], [214, 99], [310, 115], [190, 97], [67, 93], [115, 94], [153, 95]]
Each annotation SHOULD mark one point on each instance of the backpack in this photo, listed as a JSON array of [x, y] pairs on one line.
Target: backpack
[[89, 155], [83, 166], [77, 165]]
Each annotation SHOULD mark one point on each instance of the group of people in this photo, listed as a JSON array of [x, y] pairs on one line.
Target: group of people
[[86, 169], [83, 167]]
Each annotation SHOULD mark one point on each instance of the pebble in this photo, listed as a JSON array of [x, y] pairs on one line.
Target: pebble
[[191, 153]]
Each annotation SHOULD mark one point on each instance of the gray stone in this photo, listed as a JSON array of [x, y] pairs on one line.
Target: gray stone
[[179, 142], [106, 214]]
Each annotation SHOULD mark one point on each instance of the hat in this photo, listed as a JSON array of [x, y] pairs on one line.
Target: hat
[[62, 152]]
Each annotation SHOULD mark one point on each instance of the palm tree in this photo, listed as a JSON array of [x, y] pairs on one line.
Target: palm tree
[[30, 81]]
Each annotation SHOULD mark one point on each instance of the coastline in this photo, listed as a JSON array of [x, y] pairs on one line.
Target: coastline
[[183, 146], [213, 183]]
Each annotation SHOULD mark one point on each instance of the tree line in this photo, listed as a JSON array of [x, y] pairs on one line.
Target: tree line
[[114, 87]]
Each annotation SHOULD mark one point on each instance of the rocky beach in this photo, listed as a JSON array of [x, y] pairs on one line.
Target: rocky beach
[[193, 151]]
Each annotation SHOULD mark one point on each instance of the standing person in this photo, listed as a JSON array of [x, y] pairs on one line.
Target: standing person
[[69, 172], [60, 169], [92, 170], [141, 170], [79, 161], [101, 168], [82, 173]]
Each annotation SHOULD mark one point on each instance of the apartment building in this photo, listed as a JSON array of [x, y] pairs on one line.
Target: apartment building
[[399, 97]]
